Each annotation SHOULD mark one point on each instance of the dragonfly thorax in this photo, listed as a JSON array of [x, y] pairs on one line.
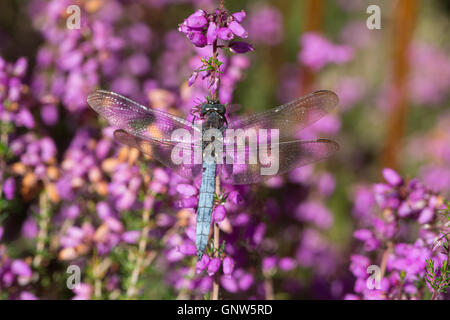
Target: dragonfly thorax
[[208, 108]]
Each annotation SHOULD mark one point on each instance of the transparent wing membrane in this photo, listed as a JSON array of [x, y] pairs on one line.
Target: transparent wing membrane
[[138, 120]]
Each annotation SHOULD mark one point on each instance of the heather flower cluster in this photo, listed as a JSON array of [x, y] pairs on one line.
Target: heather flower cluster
[[218, 31], [402, 226]]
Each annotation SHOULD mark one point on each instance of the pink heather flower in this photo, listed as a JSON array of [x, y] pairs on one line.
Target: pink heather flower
[[358, 265], [71, 212], [8, 278], [269, 264], [190, 202], [370, 242], [350, 91], [245, 282], [174, 255], [164, 220], [25, 118], [228, 266], [20, 67], [225, 34], [25, 295], [239, 16], [103, 210], [214, 84], [258, 234], [126, 200], [213, 266], [350, 296], [240, 47], [237, 29], [316, 212], [102, 148], [270, 32], [404, 210], [229, 283], [30, 228], [192, 78], [20, 268], [196, 20], [392, 177], [386, 229], [186, 190], [363, 234], [131, 236], [219, 213], [326, 184], [235, 197], [287, 264], [429, 81], [149, 201], [425, 216], [211, 33], [9, 187], [202, 264], [48, 148], [317, 51], [49, 114], [114, 224], [1, 232], [82, 292], [198, 39], [161, 175], [188, 248]]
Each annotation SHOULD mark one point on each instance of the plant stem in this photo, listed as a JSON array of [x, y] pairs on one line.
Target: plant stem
[[4, 141], [215, 290], [384, 259], [132, 289], [215, 94], [44, 220], [268, 288]]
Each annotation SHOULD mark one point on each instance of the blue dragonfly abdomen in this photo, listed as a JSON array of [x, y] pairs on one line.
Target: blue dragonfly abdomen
[[205, 206]]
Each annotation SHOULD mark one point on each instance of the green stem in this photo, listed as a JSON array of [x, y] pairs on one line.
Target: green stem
[[3, 141], [44, 222], [215, 94], [215, 290], [132, 289]]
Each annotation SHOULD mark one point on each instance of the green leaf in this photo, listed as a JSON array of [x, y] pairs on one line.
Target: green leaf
[[402, 274]]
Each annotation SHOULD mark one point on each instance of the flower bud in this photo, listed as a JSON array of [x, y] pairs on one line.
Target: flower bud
[[225, 34], [228, 266], [237, 29], [219, 213], [198, 39], [239, 16], [240, 47], [213, 266], [392, 177]]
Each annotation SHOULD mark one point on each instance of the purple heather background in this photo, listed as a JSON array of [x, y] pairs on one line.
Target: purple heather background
[[71, 195]]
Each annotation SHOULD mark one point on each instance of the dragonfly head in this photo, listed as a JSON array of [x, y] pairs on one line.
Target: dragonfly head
[[213, 106]]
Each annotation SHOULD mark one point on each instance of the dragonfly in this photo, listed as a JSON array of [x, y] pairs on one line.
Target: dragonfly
[[152, 132]]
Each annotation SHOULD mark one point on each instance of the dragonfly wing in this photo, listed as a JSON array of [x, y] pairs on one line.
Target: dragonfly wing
[[289, 155], [138, 120], [161, 152], [291, 117]]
